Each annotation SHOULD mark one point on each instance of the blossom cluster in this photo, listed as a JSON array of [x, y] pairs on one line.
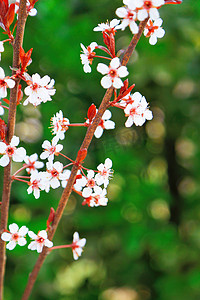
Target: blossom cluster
[[17, 236]]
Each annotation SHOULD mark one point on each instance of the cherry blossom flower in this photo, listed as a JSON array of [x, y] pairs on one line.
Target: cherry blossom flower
[[80, 182], [59, 125], [87, 56], [1, 48], [108, 27], [10, 151], [40, 240], [4, 83], [129, 17], [51, 149], [53, 175], [33, 163], [77, 245], [37, 183], [97, 198], [15, 236], [146, 8], [39, 90], [105, 173], [137, 112], [154, 30], [114, 73], [90, 182], [105, 123]]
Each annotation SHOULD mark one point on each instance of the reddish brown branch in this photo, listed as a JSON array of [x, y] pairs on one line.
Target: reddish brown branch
[[11, 127], [86, 142]]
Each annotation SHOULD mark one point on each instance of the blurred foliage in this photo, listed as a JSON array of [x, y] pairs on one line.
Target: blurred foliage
[[146, 243]]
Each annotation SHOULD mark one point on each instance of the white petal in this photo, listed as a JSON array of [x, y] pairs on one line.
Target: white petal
[[102, 68], [2, 74], [32, 246], [158, 22], [48, 243], [160, 32], [109, 124], [19, 154], [106, 82], [134, 27], [14, 141], [22, 241], [82, 242], [11, 245], [87, 68], [98, 132], [122, 71], [117, 83], [107, 115], [32, 235], [13, 228], [108, 163], [121, 12], [86, 192], [75, 237], [23, 231], [6, 236], [154, 14], [39, 248], [153, 39], [10, 83], [129, 122], [115, 63], [4, 161], [43, 234], [142, 15], [33, 12]]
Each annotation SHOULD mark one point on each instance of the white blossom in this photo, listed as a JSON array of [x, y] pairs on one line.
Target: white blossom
[[87, 56], [33, 163], [105, 173], [51, 149], [137, 112], [10, 151], [77, 245], [40, 240], [39, 90], [129, 17], [109, 26], [146, 8], [1, 48], [154, 30], [105, 123], [15, 236], [37, 183], [113, 74], [59, 125]]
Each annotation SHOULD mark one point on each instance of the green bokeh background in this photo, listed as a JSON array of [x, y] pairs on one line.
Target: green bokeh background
[[146, 243]]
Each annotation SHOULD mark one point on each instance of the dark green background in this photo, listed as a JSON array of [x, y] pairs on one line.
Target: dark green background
[[146, 243]]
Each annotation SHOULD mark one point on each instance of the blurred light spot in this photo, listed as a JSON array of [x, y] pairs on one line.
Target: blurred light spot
[[157, 170], [73, 86], [126, 136], [158, 114], [184, 89], [110, 242], [144, 292], [31, 111], [71, 205], [162, 77], [22, 214], [185, 148], [114, 191], [159, 209], [155, 129], [72, 277], [124, 293], [131, 214], [29, 131], [187, 186]]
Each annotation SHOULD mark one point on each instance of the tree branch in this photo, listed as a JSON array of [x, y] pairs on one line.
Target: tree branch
[[11, 127], [86, 142]]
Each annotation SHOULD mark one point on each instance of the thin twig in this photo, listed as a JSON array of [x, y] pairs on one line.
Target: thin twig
[[86, 142]]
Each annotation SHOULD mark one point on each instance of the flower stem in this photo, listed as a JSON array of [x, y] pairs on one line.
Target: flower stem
[[17, 43], [85, 145]]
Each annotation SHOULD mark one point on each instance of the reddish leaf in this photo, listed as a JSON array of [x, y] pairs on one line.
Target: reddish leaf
[[112, 44], [19, 94], [3, 130], [32, 2], [124, 87], [51, 217], [106, 40], [6, 100], [81, 155], [25, 58], [9, 18], [91, 112]]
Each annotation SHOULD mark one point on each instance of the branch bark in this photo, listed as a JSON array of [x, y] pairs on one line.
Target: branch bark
[[85, 145], [22, 16]]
